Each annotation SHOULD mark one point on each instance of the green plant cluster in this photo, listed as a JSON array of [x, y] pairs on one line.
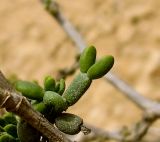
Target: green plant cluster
[[8, 128], [53, 99]]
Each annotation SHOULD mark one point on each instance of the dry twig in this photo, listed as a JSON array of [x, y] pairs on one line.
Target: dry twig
[[63, 73], [133, 134]]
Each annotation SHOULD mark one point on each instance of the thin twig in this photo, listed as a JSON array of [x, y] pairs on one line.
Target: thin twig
[[12, 101], [64, 73], [141, 101], [133, 134], [53, 8]]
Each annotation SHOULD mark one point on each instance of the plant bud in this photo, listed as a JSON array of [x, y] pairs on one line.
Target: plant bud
[[49, 83], [61, 86]]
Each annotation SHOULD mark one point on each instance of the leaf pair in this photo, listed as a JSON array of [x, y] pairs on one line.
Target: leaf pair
[[94, 69]]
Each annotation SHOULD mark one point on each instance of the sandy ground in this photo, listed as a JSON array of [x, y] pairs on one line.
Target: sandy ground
[[33, 45]]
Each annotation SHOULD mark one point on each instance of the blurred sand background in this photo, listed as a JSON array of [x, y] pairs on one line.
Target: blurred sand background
[[33, 45]]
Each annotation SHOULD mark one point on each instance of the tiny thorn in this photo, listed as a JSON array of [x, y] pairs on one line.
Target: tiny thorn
[[85, 130]]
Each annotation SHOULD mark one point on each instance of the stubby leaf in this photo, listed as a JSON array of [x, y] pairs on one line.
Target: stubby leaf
[[11, 129], [87, 58], [61, 86], [77, 88], [5, 137], [69, 123], [101, 67], [29, 90], [55, 101], [49, 83], [9, 118], [40, 107]]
